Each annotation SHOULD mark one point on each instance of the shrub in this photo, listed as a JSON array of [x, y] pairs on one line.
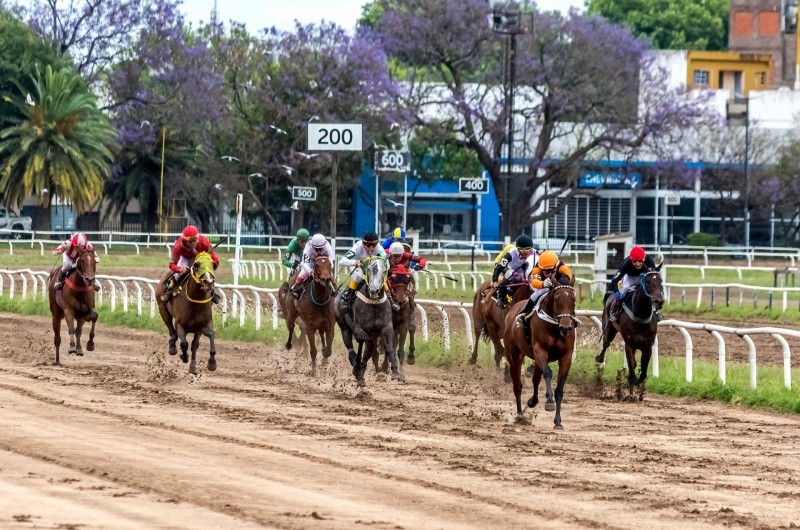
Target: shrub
[[701, 239]]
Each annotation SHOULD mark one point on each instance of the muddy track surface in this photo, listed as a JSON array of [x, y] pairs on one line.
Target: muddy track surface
[[125, 438]]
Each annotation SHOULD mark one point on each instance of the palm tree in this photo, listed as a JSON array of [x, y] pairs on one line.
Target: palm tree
[[61, 146]]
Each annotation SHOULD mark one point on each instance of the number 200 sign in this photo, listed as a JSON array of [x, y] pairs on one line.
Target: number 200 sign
[[473, 186], [334, 137]]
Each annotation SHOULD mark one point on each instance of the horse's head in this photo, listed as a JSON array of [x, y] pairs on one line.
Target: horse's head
[[652, 285], [323, 272], [87, 266], [400, 280], [376, 275], [564, 308], [203, 270]]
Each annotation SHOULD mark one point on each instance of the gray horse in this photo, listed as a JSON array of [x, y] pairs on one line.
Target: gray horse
[[369, 318]]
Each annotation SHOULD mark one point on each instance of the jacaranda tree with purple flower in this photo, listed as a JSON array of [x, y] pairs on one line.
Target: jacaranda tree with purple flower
[[587, 90]]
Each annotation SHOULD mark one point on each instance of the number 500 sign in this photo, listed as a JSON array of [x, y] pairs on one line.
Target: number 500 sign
[[334, 137]]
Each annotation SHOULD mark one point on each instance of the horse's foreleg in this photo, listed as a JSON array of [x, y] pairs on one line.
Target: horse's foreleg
[[78, 332], [327, 342], [69, 316], [536, 380], [647, 352], [375, 358], [184, 344], [212, 360], [388, 344], [609, 333], [514, 358], [564, 365], [312, 344], [57, 337], [359, 367], [195, 345], [540, 356], [290, 318], [90, 344], [412, 328], [630, 355]]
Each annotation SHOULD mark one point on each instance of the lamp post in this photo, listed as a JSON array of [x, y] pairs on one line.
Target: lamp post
[[506, 19], [739, 113], [161, 193]]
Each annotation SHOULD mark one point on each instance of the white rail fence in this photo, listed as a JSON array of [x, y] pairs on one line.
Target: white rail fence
[[116, 288]]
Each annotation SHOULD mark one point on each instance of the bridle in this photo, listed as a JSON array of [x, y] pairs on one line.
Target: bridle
[[392, 283], [88, 282], [554, 319], [643, 282], [321, 282]]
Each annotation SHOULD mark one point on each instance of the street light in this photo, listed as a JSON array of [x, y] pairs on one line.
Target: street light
[[506, 19], [739, 114]]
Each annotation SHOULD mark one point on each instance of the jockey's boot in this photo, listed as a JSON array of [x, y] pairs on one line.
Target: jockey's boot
[[349, 294], [96, 286], [524, 313], [169, 286], [615, 308], [395, 306], [61, 278], [295, 291], [500, 295], [215, 298]]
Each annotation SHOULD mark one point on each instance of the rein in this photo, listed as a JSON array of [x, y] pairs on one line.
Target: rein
[[554, 319], [643, 284]]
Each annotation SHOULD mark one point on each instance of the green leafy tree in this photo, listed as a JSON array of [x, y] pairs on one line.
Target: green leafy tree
[[671, 24], [21, 53], [60, 147]]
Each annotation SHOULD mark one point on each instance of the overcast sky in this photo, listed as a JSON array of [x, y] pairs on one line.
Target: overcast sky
[[259, 14]]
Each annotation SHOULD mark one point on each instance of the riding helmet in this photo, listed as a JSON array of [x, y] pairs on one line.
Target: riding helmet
[[318, 241], [398, 233], [524, 242], [79, 240], [548, 260], [638, 254], [303, 234], [370, 237], [397, 249], [190, 231]]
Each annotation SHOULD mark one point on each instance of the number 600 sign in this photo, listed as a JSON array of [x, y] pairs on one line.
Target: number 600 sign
[[334, 137]]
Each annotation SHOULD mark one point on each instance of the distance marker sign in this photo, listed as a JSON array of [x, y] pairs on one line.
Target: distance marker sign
[[334, 137], [476, 186], [304, 193]]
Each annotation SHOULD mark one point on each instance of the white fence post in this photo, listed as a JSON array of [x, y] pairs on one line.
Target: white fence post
[[787, 361], [753, 368], [721, 355]]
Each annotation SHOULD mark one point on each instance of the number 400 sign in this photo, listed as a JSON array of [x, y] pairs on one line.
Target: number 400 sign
[[334, 137]]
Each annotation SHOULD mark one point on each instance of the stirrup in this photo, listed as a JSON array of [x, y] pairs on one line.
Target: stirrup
[[521, 320]]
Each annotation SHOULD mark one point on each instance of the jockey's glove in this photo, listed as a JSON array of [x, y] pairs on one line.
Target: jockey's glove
[[547, 283], [617, 296], [419, 267]]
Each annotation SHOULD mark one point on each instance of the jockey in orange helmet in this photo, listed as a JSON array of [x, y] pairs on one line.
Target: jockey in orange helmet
[[70, 250]]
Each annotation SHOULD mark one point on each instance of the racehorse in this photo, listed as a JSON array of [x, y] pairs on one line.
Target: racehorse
[[369, 318], [191, 309], [315, 307], [552, 338], [488, 319], [636, 324], [74, 303], [283, 297], [400, 283]]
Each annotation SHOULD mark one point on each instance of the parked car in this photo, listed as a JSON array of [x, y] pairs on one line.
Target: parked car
[[9, 222]]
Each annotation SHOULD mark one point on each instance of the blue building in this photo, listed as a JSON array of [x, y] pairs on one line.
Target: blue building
[[436, 209]]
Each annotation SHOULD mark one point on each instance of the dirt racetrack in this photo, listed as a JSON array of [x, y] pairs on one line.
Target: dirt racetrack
[[124, 438]]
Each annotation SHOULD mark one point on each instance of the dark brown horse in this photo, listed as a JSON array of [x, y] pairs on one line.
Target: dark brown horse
[[74, 303], [191, 309], [315, 307], [552, 339], [488, 319], [400, 285], [637, 324]]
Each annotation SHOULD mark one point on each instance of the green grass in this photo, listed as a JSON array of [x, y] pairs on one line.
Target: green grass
[[770, 393]]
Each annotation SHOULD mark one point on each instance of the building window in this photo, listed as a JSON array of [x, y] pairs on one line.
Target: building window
[[769, 23], [742, 24], [701, 77], [761, 79]]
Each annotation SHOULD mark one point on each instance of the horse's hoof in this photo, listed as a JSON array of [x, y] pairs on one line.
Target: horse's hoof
[[520, 418], [641, 396], [325, 360], [532, 402], [507, 374], [193, 370], [599, 359], [397, 376], [412, 360], [361, 383], [90, 346], [549, 406], [211, 365], [558, 427], [56, 363], [72, 350], [185, 357], [79, 353], [472, 360], [529, 370], [288, 345], [173, 350]]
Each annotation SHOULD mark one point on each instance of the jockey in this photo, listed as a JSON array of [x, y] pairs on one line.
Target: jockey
[[398, 236], [401, 259], [70, 250], [638, 262], [185, 249], [542, 279], [368, 247], [515, 262], [319, 247], [294, 252]]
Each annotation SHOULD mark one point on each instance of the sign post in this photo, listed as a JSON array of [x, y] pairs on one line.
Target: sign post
[[473, 187], [334, 137], [672, 200], [395, 161], [238, 251]]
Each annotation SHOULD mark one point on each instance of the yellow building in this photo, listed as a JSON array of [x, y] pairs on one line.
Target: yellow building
[[735, 71]]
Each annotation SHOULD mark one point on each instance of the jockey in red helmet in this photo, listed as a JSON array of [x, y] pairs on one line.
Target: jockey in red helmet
[[186, 248], [70, 250], [627, 276]]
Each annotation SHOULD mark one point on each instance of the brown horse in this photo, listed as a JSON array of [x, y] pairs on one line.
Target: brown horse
[[315, 307], [283, 297], [552, 339], [74, 303], [637, 324], [400, 286], [488, 319], [191, 309]]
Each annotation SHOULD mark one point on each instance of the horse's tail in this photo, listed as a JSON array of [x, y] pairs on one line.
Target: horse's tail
[[483, 333]]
